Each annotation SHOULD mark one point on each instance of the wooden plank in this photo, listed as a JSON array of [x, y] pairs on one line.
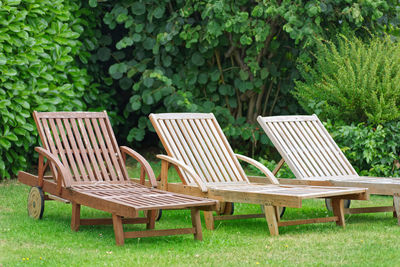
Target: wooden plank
[[288, 118], [58, 145], [272, 222], [68, 150], [174, 150], [83, 151], [106, 221], [95, 146], [222, 153], [75, 150], [103, 148], [111, 150], [116, 147], [232, 157], [196, 223], [214, 161], [308, 221], [118, 230], [86, 143], [69, 115], [277, 167], [238, 217], [164, 232], [368, 210], [185, 150], [181, 116], [327, 162], [196, 146], [338, 210]]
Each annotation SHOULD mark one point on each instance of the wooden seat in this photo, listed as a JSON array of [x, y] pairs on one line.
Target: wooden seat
[[89, 169], [312, 155], [208, 167]]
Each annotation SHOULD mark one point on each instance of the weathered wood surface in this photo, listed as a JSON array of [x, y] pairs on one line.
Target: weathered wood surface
[[89, 169], [197, 147]]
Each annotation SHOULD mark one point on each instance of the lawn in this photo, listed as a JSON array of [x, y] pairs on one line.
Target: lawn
[[368, 240]]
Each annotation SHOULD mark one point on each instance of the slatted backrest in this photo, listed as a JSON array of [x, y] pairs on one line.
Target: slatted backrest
[[198, 141], [85, 143], [307, 147]]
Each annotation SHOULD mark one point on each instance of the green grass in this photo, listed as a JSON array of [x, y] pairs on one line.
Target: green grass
[[368, 240]]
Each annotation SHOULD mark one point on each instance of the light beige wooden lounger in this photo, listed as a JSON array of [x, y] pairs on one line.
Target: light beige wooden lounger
[[208, 167], [312, 155]]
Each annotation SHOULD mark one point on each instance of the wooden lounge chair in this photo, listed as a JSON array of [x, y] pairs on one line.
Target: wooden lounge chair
[[88, 168], [312, 155], [208, 167]]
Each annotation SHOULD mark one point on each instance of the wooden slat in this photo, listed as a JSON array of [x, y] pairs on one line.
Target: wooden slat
[[83, 151], [209, 150], [301, 150], [223, 156], [326, 148], [308, 221], [242, 176], [96, 149], [289, 152], [110, 149], [75, 150], [60, 150], [164, 232], [186, 152], [106, 155], [195, 144], [105, 221], [368, 210], [68, 150], [236, 217], [325, 161], [173, 150], [69, 115], [86, 142], [116, 148]]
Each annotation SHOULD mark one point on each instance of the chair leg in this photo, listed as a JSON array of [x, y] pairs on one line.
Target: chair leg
[[118, 230], [196, 222], [338, 210], [396, 204], [151, 216], [270, 215], [76, 216], [209, 219]]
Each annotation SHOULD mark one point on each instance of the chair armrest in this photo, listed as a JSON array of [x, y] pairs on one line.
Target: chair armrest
[[64, 173], [187, 169], [145, 166], [259, 166]]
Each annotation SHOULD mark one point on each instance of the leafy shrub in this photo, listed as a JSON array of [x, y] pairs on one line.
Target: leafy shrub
[[38, 43], [372, 151], [353, 81]]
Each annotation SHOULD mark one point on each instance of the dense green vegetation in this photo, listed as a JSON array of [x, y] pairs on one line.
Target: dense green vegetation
[[237, 59], [38, 46]]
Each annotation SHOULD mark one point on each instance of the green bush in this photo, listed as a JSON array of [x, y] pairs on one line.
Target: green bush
[[38, 43], [233, 58], [372, 151], [352, 81]]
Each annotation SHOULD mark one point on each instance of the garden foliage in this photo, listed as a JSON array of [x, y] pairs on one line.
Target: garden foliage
[[372, 150], [233, 58], [38, 45], [353, 81]]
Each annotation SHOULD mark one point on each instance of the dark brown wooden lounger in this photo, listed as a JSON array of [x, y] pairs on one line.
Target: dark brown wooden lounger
[[88, 168]]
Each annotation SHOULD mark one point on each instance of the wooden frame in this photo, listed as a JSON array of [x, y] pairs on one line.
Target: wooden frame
[[208, 167], [88, 168], [312, 155]]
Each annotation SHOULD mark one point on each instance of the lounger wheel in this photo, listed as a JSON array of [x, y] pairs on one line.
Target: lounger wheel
[[328, 203], [229, 208], [158, 214], [36, 202], [281, 210]]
